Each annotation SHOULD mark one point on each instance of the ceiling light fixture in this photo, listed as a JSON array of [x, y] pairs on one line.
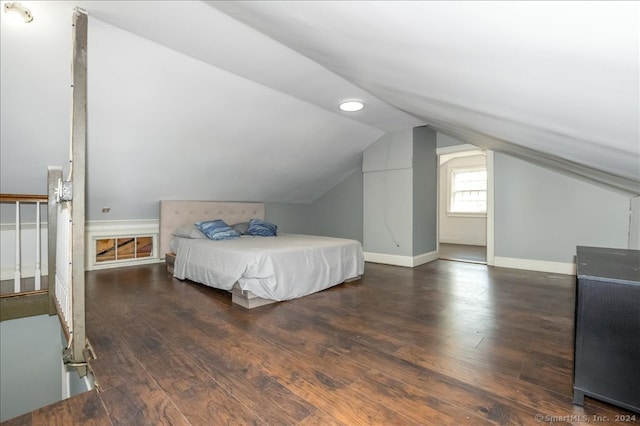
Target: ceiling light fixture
[[18, 9], [351, 105]]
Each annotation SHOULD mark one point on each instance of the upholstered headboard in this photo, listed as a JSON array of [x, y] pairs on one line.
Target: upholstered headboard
[[174, 214]]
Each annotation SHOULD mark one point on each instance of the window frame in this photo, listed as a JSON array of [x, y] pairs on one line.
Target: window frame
[[450, 184]]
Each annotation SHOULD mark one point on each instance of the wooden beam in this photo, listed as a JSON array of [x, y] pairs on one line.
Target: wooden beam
[[78, 179], [54, 175]]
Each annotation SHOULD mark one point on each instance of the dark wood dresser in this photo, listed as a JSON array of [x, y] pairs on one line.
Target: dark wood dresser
[[607, 330]]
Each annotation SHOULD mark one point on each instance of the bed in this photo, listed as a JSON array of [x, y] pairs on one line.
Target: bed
[[256, 270]]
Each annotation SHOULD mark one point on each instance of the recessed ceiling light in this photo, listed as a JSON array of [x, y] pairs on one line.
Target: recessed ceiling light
[[351, 105]]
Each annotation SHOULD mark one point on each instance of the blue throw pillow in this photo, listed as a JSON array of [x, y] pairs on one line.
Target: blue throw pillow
[[217, 230], [262, 228]]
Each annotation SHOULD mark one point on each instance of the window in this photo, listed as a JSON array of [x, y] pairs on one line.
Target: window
[[468, 191]]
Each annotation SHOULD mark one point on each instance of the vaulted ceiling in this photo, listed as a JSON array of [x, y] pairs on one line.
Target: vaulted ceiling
[[238, 100], [553, 82]]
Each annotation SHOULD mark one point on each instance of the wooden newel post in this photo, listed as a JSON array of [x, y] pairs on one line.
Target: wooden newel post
[[78, 178]]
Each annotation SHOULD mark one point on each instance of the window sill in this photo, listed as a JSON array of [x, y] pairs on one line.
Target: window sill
[[475, 215]]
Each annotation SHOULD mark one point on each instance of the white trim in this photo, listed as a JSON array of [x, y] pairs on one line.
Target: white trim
[[452, 170], [98, 229], [490, 209], [423, 258], [398, 260], [93, 230], [490, 215], [536, 265], [122, 263], [66, 381], [482, 215], [438, 169], [457, 148], [23, 226], [121, 227]]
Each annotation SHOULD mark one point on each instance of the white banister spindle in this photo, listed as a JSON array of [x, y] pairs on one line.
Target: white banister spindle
[[63, 268], [17, 275], [38, 273]]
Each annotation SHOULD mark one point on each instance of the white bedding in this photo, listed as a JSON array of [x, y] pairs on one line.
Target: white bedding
[[277, 268]]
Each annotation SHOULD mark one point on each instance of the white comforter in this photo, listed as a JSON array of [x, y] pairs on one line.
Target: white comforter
[[277, 268]]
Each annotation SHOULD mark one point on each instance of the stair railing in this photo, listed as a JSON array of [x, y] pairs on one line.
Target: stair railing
[[19, 201]]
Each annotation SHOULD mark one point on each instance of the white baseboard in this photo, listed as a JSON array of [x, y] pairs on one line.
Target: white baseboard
[[423, 258], [398, 260], [124, 263], [536, 265]]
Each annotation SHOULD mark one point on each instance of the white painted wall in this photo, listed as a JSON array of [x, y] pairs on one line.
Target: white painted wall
[[458, 229]]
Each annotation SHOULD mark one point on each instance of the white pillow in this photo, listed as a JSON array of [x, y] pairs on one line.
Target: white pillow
[[188, 231]]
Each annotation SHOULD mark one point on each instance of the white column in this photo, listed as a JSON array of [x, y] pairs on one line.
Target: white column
[[38, 273], [17, 276]]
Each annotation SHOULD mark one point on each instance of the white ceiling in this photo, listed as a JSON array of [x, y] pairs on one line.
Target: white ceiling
[[238, 100], [556, 82]]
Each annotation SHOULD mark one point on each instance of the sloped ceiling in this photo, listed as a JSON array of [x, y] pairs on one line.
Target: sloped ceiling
[[237, 100], [552, 82], [184, 103]]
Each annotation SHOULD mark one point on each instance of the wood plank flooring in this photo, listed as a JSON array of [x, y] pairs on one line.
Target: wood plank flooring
[[446, 343], [463, 253]]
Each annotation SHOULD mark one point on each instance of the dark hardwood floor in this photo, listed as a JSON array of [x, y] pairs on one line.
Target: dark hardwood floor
[[463, 253], [444, 343]]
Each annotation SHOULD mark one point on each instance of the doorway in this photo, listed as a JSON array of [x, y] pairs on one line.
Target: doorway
[[463, 206]]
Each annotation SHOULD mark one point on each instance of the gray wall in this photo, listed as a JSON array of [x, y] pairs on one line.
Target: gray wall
[[290, 218], [30, 364], [544, 215], [425, 190], [388, 194], [400, 187], [338, 213], [443, 141], [634, 224]]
